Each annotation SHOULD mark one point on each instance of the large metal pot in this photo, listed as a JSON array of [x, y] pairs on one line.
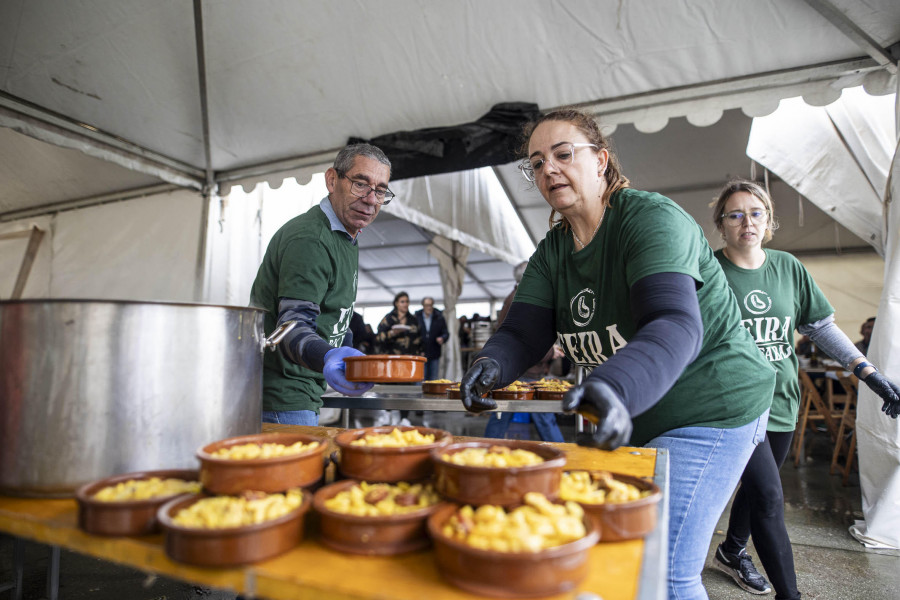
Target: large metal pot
[[89, 389]]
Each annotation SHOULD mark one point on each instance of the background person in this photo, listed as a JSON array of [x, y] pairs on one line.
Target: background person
[[865, 330], [433, 331], [398, 331], [309, 274], [545, 423], [776, 295], [628, 285]]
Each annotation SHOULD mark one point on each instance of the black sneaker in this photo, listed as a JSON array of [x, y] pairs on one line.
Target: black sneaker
[[740, 567]]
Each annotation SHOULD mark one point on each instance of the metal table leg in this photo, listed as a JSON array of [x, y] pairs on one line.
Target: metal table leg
[[53, 574], [18, 569]]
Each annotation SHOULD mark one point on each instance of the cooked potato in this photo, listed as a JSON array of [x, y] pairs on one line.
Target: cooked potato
[[144, 489], [537, 525], [381, 499], [223, 512], [601, 488], [495, 456], [516, 386], [395, 439], [269, 450]]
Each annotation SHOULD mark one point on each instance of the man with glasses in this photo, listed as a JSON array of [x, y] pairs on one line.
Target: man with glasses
[[309, 275]]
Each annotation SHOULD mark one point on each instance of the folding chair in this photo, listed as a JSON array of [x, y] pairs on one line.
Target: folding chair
[[812, 409], [848, 423]]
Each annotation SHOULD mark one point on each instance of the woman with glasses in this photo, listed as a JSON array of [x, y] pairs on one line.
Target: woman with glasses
[[776, 295], [627, 285]]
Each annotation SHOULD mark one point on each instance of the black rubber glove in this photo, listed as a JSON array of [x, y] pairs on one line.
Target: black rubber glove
[[480, 378], [887, 391], [601, 405]]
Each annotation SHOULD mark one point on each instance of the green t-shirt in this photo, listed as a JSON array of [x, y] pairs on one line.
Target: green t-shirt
[[305, 260], [728, 384], [774, 300]]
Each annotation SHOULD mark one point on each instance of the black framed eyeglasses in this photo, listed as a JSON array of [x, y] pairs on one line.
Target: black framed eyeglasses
[[361, 189]]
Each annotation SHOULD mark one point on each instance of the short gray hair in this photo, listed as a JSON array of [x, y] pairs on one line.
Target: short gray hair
[[343, 162]]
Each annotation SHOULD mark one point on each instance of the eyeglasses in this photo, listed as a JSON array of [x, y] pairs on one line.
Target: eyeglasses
[[562, 154], [736, 217], [361, 189]]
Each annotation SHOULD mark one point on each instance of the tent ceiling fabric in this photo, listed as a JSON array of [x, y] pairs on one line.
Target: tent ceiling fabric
[[286, 88], [837, 156]]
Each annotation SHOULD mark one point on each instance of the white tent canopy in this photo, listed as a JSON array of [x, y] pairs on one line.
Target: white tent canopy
[[236, 91]]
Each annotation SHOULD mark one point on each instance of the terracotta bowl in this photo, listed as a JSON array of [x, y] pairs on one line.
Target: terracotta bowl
[[496, 485], [548, 395], [510, 574], [387, 465], [435, 389], [136, 517], [382, 535], [234, 546], [508, 395], [270, 475], [627, 520], [385, 368], [455, 394]]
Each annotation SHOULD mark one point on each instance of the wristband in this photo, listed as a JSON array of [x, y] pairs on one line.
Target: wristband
[[859, 368]]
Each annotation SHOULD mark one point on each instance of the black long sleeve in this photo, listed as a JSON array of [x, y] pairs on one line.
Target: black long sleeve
[[668, 339]]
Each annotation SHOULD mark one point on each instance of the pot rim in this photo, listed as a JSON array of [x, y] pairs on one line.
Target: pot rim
[[124, 303]]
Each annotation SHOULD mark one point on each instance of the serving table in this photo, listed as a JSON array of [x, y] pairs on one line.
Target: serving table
[[620, 570]]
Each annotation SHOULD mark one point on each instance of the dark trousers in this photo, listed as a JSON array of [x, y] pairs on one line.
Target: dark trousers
[[758, 510]]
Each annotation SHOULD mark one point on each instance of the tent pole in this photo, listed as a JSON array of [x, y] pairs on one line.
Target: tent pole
[[34, 242], [209, 189]]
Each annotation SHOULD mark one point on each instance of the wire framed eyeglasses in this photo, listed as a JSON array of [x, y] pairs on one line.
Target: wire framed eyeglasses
[[734, 218], [562, 154], [361, 189]]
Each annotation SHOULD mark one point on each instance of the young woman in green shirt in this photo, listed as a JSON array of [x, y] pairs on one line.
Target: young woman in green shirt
[[776, 295]]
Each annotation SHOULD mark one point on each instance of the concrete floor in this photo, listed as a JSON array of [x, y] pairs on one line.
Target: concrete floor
[[830, 564]]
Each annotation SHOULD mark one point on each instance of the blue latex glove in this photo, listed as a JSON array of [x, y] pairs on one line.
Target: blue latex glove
[[335, 372], [601, 405]]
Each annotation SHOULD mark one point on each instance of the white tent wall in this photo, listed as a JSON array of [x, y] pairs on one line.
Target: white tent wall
[[879, 437], [468, 207], [143, 249], [239, 228], [836, 156]]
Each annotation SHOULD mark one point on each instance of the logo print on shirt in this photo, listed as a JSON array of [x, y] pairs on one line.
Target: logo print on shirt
[[582, 306], [757, 302]]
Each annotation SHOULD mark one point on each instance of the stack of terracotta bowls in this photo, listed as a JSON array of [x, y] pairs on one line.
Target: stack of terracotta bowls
[[494, 573], [384, 534], [225, 476]]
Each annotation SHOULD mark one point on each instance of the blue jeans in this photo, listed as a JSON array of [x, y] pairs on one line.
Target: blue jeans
[[431, 368], [705, 465], [544, 422], [291, 417]]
